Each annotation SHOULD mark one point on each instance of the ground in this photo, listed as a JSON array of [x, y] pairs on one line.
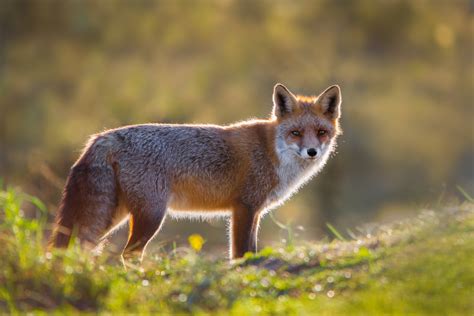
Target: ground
[[422, 265]]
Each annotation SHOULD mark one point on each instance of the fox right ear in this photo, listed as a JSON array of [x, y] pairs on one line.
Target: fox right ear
[[330, 101], [284, 101]]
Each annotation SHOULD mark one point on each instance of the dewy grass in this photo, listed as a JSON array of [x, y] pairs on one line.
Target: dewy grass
[[419, 266]]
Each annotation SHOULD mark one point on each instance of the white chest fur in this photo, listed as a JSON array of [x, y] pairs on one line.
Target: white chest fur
[[292, 173]]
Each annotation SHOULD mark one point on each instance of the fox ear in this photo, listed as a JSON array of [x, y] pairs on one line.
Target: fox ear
[[284, 101], [330, 102]]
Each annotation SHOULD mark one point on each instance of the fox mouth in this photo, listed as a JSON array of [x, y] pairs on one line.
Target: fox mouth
[[309, 158], [296, 152]]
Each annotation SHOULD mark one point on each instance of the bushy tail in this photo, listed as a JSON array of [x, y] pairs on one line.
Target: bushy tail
[[69, 208], [89, 197]]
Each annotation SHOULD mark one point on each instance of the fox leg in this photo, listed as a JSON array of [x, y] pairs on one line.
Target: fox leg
[[144, 223], [244, 230], [146, 199], [120, 219]]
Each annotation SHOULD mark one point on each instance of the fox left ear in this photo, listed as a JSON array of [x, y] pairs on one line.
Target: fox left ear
[[330, 102], [284, 102]]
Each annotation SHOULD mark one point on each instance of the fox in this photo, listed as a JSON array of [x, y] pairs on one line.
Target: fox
[[141, 173]]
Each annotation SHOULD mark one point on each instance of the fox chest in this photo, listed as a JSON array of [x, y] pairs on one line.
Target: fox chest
[[291, 176]]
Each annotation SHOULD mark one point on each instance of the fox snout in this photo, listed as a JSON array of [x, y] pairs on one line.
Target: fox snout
[[310, 152]]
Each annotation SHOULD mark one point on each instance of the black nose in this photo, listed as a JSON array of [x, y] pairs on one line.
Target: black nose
[[312, 152]]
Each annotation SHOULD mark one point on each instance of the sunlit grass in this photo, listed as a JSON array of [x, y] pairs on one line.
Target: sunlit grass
[[421, 266]]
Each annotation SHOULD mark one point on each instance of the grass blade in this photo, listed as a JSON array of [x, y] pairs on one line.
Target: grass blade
[[335, 232], [465, 194]]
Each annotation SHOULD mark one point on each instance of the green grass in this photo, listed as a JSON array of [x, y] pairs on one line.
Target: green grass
[[423, 265]]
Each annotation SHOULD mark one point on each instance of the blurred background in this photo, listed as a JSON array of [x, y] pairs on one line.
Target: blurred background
[[69, 69]]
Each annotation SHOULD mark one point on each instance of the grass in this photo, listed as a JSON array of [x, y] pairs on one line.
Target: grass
[[418, 266]]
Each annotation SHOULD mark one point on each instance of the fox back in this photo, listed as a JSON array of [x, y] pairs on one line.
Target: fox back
[[143, 172]]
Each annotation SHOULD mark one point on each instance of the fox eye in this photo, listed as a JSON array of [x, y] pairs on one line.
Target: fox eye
[[295, 133], [322, 132]]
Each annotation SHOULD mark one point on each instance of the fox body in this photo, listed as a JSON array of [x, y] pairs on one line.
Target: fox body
[[143, 172]]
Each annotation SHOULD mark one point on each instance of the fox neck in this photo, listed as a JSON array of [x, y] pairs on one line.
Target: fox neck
[[292, 172]]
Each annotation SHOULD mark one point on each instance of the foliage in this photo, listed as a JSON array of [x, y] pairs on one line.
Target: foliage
[[417, 266]]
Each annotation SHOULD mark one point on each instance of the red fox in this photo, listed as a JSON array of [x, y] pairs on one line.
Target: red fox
[[143, 172]]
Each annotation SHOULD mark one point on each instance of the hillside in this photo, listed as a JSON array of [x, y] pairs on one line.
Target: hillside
[[422, 265]]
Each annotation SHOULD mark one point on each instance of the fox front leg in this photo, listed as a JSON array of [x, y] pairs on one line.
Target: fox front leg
[[244, 231]]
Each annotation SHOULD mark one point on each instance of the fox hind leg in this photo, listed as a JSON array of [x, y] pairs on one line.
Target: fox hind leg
[[147, 203], [143, 225], [106, 244]]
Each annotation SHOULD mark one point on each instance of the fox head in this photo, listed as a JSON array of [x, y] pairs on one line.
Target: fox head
[[307, 127]]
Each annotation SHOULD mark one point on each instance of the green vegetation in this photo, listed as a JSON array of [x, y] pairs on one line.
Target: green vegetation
[[417, 266]]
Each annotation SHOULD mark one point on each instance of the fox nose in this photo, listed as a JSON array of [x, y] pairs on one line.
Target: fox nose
[[312, 152]]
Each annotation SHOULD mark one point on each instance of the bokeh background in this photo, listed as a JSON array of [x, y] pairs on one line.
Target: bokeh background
[[69, 69]]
